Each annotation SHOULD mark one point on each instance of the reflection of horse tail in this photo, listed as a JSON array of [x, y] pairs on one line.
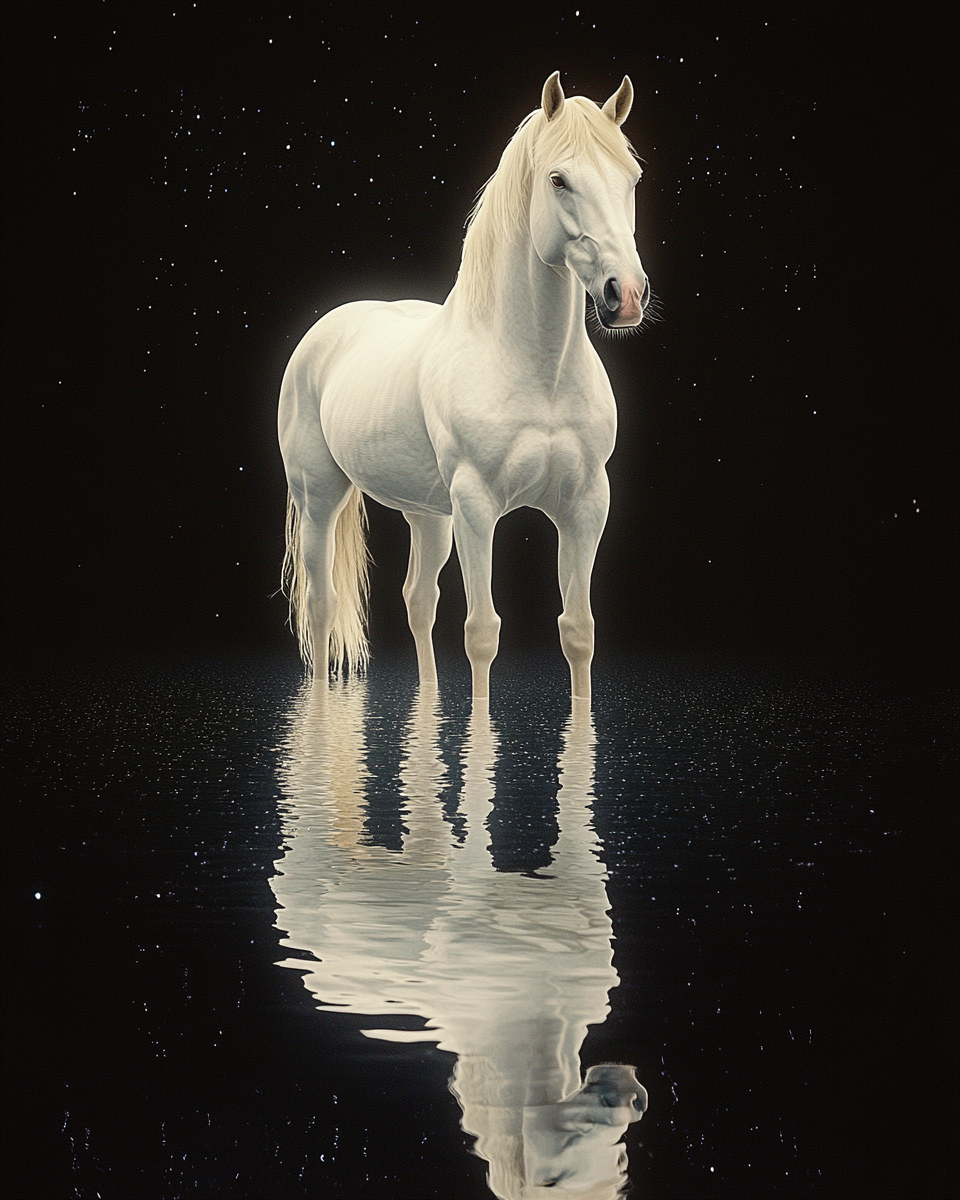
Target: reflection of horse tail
[[351, 582]]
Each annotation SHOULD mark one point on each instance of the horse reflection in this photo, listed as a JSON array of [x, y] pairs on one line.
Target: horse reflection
[[508, 970]]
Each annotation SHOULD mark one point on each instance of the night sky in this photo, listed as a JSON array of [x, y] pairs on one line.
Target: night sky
[[189, 186]]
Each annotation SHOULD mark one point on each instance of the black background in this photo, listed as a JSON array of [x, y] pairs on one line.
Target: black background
[[165, 251]]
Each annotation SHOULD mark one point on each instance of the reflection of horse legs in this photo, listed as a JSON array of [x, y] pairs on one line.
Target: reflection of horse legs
[[431, 539]]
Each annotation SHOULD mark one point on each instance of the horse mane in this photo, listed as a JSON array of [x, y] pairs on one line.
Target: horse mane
[[502, 204]]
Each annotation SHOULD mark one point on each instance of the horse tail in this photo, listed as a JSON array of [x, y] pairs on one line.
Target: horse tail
[[351, 581]]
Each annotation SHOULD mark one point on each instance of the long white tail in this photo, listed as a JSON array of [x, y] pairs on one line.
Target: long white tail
[[351, 581]]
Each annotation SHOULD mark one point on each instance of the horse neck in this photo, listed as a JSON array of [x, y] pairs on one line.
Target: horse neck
[[535, 311]]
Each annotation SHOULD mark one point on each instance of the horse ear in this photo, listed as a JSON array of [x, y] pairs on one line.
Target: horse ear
[[618, 106], [552, 99]]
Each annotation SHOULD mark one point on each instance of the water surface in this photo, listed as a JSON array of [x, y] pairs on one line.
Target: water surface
[[275, 940]]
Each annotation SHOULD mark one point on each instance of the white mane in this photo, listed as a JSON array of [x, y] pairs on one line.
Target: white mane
[[502, 206]]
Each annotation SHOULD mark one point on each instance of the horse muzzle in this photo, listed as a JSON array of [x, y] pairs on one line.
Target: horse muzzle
[[622, 302]]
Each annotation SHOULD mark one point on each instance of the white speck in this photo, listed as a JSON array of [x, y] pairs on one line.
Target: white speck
[[36, 895]]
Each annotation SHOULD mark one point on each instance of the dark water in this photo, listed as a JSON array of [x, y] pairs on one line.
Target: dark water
[[737, 878]]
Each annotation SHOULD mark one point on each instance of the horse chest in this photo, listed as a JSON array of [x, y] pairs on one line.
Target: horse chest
[[522, 442], [538, 463]]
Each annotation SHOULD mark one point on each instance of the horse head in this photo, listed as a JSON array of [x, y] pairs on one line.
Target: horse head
[[574, 1144], [582, 200]]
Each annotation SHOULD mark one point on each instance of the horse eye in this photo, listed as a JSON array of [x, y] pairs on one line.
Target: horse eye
[[557, 181]]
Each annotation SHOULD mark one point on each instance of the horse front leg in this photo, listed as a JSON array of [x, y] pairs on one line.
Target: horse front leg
[[474, 518], [431, 539], [580, 532]]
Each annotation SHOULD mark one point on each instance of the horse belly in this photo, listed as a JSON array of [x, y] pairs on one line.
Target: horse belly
[[372, 418]]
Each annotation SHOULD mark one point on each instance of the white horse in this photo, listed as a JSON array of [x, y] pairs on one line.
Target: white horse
[[456, 414]]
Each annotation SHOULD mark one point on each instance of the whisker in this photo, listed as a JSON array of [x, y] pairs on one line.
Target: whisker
[[652, 315]]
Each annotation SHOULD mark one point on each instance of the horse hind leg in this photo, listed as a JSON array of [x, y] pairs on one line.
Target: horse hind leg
[[431, 540]]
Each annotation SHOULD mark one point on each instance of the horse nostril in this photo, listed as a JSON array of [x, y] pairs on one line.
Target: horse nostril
[[645, 298], [612, 295]]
